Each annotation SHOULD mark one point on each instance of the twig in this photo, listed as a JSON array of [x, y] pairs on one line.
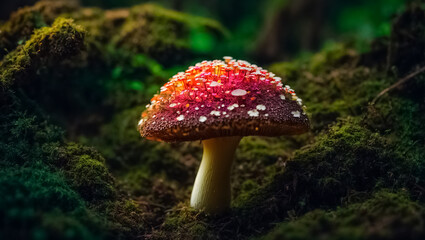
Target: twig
[[398, 83]]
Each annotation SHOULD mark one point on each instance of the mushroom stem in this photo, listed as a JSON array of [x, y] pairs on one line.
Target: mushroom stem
[[211, 191]]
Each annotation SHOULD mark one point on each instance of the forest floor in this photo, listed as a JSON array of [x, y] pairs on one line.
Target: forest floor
[[74, 81]]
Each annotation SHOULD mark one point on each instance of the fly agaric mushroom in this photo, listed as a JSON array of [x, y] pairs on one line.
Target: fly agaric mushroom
[[219, 102]]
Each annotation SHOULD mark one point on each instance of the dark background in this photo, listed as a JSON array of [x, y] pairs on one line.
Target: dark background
[[275, 30]]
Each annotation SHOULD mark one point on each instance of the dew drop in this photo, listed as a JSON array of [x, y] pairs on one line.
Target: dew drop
[[238, 92], [296, 114], [253, 113], [202, 118], [261, 107]]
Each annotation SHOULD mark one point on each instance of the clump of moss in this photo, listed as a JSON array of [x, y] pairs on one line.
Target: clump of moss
[[52, 9], [24, 131], [19, 28], [386, 215], [164, 34], [348, 157], [37, 202], [184, 222], [53, 190], [24, 21], [48, 46], [86, 172]]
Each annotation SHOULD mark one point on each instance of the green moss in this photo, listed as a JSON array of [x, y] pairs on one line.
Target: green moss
[[261, 149], [86, 172], [258, 158], [125, 219], [19, 28], [47, 47], [340, 165], [331, 56], [21, 132], [385, 216], [333, 84], [166, 35], [184, 223], [246, 190], [24, 21], [52, 9], [37, 203], [348, 157]]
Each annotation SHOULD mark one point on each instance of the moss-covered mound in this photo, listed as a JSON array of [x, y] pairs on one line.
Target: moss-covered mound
[[385, 216], [24, 21], [47, 48]]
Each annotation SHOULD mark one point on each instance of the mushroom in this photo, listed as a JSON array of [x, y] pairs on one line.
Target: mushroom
[[219, 102]]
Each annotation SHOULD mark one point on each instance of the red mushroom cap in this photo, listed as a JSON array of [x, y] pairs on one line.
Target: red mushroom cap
[[223, 98]]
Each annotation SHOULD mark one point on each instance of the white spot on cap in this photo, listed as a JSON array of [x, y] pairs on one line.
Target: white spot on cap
[[202, 118], [215, 113], [253, 113], [282, 97], [233, 106], [300, 101], [261, 107], [296, 114], [238, 92], [141, 122], [214, 84], [196, 108], [227, 59], [180, 118]]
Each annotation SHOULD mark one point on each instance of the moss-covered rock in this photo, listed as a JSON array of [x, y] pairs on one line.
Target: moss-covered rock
[[48, 47], [24, 21], [166, 35], [385, 216]]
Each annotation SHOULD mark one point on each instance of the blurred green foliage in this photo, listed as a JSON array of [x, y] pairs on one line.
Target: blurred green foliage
[[361, 21]]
